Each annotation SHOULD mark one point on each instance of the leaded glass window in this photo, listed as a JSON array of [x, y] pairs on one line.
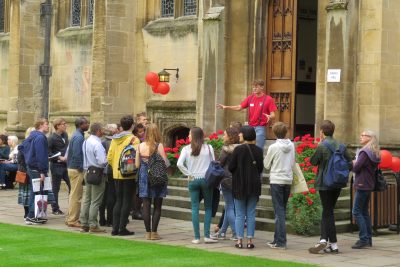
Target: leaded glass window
[[189, 7], [75, 12], [167, 8], [2, 13], [90, 12]]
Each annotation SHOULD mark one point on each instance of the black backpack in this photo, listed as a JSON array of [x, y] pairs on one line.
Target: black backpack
[[157, 172]]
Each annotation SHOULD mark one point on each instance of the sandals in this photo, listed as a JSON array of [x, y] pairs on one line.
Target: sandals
[[238, 245], [250, 245]]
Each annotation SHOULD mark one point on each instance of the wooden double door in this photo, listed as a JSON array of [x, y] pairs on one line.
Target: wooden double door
[[281, 60]]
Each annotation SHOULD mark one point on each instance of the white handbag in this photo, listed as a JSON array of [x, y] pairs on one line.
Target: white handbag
[[299, 184]]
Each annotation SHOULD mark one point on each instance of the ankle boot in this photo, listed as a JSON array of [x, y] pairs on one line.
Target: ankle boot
[[148, 235], [155, 236]]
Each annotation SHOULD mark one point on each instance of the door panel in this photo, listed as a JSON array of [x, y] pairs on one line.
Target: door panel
[[281, 58]]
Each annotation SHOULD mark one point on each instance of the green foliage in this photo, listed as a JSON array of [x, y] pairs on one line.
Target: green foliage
[[304, 209]]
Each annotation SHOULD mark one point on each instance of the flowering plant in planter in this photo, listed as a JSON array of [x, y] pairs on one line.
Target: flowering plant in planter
[[304, 210], [173, 153]]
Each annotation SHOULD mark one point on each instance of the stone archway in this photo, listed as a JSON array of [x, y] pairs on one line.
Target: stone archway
[[174, 133]]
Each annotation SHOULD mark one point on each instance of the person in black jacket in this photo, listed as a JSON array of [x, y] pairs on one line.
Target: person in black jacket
[[58, 143], [246, 166]]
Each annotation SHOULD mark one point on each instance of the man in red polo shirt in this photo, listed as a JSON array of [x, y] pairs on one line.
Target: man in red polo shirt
[[261, 110]]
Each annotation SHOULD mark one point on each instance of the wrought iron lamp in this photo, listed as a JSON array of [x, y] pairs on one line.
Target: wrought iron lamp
[[163, 76]]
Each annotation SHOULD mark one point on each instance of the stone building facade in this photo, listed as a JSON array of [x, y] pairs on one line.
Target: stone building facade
[[101, 50]]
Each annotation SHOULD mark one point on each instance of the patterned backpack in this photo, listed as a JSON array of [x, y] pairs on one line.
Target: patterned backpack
[[127, 161], [157, 172]]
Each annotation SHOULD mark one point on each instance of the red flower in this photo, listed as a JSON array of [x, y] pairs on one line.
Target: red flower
[[315, 169], [312, 190], [176, 155], [308, 164], [307, 159], [167, 149], [301, 164], [309, 201], [219, 132], [296, 139], [187, 141], [305, 193], [311, 181], [318, 139], [175, 149]]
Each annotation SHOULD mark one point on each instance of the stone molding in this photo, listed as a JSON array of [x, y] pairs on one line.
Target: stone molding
[[178, 27], [337, 5]]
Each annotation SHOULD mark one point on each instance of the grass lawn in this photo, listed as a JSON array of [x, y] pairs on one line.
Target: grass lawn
[[32, 246]]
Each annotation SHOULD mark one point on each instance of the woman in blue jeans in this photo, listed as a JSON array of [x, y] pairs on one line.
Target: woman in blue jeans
[[193, 162], [364, 167], [246, 166], [231, 140]]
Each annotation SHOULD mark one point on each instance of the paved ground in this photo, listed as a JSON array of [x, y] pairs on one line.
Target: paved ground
[[385, 251]]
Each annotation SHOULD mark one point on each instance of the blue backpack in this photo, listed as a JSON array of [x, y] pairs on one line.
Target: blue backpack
[[337, 173]]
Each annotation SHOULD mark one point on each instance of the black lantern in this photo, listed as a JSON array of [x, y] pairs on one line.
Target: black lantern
[[163, 76]]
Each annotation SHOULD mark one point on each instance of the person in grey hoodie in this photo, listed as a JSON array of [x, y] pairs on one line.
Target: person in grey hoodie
[[364, 167], [280, 161]]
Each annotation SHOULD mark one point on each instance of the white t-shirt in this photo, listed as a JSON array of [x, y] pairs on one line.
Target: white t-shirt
[[195, 166]]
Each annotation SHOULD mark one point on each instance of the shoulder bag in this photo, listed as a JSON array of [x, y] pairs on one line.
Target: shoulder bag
[[215, 173]]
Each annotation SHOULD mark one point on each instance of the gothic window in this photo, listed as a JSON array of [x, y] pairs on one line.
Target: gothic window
[[2, 15], [189, 7], [90, 12], [75, 12], [167, 8]]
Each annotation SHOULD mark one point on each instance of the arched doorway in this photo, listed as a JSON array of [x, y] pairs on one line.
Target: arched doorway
[[175, 133]]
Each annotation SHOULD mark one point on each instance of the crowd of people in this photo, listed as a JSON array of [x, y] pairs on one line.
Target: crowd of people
[[114, 191]]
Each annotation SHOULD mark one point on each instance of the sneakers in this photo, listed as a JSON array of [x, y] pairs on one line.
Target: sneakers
[[329, 249], [359, 244], [58, 212], [276, 246], [34, 221], [317, 248], [233, 238], [218, 235], [196, 241], [209, 240], [270, 244]]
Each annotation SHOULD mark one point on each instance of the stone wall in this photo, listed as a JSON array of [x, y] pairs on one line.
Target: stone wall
[[4, 69]]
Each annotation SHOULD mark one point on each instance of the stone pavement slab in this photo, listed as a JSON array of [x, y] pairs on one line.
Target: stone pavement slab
[[385, 251]]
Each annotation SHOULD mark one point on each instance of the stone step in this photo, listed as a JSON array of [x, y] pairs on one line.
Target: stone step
[[265, 188], [265, 200], [265, 224], [261, 211]]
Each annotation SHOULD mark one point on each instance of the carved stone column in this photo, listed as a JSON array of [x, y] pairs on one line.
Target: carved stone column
[[340, 48]]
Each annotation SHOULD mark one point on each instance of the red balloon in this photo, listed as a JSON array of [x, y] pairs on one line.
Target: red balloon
[[386, 159], [163, 88], [154, 88], [152, 78], [395, 164]]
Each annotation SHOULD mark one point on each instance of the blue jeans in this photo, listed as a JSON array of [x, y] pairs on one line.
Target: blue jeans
[[4, 167], [195, 187], [229, 217], [260, 136], [361, 213], [245, 209], [280, 195]]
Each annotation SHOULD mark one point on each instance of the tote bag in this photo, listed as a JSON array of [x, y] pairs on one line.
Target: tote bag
[[299, 183]]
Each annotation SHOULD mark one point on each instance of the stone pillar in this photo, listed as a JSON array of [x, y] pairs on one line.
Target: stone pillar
[[340, 53], [25, 56], [113, 53], [212, 53]]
